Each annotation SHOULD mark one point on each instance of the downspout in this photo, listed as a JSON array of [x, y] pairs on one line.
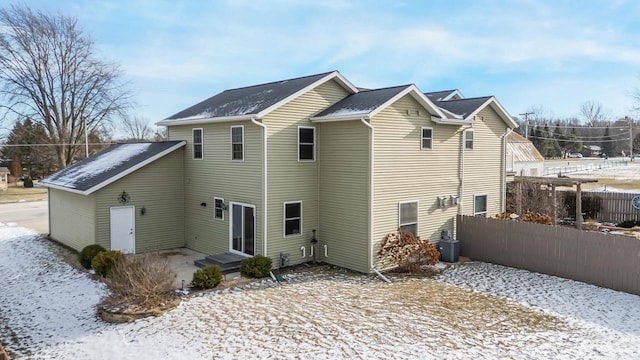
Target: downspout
[[503, 177], [461, 172], [371, 163], [264, 199]]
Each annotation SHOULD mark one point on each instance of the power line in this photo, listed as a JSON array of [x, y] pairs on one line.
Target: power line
[[82, 144]]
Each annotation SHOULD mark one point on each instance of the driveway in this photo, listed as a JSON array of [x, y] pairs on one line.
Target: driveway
[[29, 214]]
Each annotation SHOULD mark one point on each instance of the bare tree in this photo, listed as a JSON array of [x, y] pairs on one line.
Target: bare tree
[[50, 74], [593, 113], [136, 128]]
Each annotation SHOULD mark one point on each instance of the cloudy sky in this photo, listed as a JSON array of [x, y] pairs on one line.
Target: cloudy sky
[[554, 55]]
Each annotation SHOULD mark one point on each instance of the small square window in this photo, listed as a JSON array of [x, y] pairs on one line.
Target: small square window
[[293, 218], [306, 143], [426, 138], [408, 217], [480, 205], [468, 139], [218, 211]]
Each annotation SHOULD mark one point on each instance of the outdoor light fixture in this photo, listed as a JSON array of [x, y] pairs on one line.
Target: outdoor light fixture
[[224, 206], [143, 210], [203, 204]]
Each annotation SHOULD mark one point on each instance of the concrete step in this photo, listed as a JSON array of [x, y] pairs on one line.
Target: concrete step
[[228, 263]]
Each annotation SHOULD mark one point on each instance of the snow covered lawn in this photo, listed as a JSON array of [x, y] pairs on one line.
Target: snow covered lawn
[[474, 310]]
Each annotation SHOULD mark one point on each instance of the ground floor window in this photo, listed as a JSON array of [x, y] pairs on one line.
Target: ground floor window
[[480, 205], [292, 218], [408, 217], [218, 211]]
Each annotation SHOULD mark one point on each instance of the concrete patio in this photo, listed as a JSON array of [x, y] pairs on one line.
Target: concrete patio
[[182, 260]]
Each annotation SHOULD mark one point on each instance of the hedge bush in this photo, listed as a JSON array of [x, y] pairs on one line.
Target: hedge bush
[[88, 253], [28, 182], [257, 266], [207, 278], [105, 262]]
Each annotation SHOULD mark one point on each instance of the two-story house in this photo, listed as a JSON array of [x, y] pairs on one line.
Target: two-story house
[[265, 169]]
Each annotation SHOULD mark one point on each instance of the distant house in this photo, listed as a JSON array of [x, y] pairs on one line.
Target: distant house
[[4, 178], [523, 159], [594, 150], [264, 169]]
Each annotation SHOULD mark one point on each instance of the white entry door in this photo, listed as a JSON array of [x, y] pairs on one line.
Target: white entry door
[[123, 229]]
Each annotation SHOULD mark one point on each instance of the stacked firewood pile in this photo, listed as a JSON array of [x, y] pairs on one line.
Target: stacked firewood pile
[[527, 217]]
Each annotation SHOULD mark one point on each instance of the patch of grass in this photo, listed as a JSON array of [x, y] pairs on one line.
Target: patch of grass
[[16, 192]]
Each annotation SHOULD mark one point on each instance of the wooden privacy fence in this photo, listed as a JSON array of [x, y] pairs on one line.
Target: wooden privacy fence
[[611, 261], [614, 206]]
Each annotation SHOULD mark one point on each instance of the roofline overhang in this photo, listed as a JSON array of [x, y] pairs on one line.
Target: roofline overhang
[[351, 116], [208, 120], [449, 121], [119, 175], [504, 115]]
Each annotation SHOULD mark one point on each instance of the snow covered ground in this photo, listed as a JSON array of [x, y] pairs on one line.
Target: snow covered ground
[[473, 310], [628, 173]]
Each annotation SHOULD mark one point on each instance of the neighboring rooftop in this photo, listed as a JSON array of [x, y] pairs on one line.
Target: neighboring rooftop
[[4, 170], [521, 149], [246, 100], [109, 165]]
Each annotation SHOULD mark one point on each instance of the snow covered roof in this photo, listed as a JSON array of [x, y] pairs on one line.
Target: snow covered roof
[[253, 101], [103, 168], [361, 103], [368, 103], [463, 107]]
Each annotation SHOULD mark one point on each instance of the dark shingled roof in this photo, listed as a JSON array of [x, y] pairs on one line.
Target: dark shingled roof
[[463, 107], [362, 102], [438, 95], [247, 100], [103, 166]]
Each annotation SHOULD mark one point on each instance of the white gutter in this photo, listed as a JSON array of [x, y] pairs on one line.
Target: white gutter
[[265, 202], [461, 175], [503, 176], [371, 163], [204, 120]]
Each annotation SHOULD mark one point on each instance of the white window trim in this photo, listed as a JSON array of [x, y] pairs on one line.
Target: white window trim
[[193, 146], [400, 224], [231, 136], [284, 218], [486, 204], [473, 140], [314, 144], [422, 138], [215, 208]]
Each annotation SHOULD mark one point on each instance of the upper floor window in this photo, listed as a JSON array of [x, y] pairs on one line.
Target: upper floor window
[[292, 218], [426, 138], [237, 142], [468, 139], [479, 205], [306, 143], [197, 144], [408, 217]]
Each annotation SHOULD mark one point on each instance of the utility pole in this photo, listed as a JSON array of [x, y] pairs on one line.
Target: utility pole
[[630, 137], [526, 123]]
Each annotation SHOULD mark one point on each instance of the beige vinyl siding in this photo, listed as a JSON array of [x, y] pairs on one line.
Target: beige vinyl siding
[[344, 194], [290, 179], [216, 175], [482, 165], [72, 218], [158, 187], [404, 172]]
